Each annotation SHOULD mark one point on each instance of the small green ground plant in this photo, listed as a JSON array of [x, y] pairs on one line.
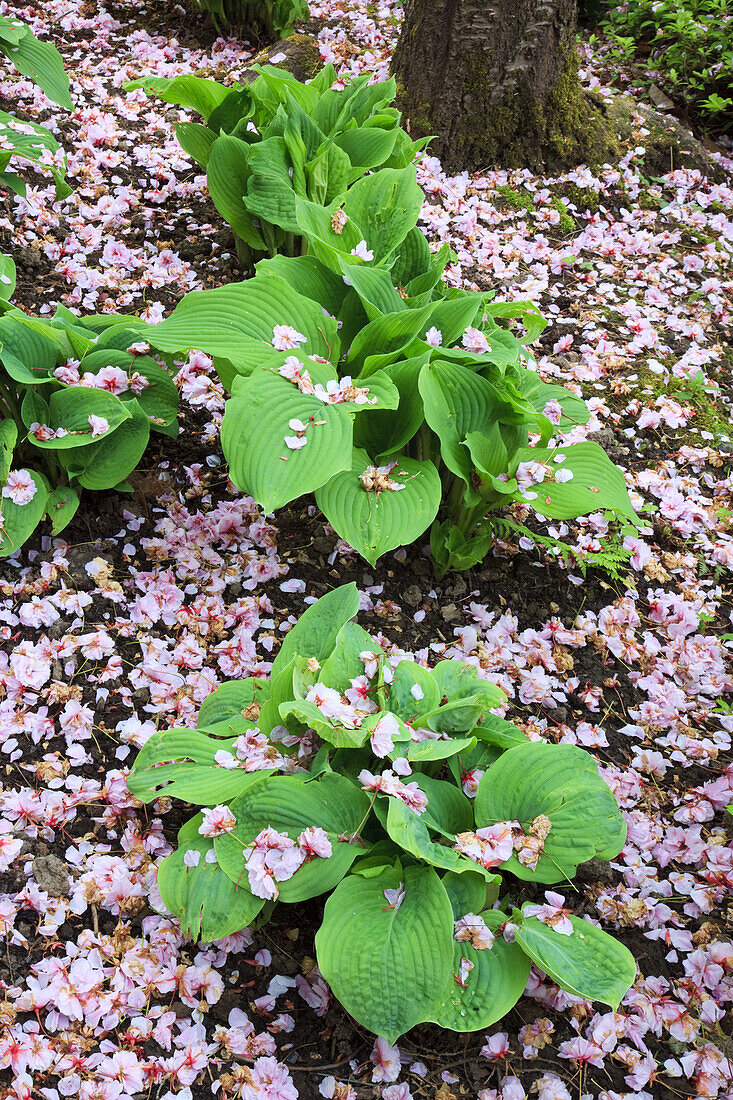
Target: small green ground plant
[[78, 399], [274, 141], [347, 775], [265, 19], [690, 42]]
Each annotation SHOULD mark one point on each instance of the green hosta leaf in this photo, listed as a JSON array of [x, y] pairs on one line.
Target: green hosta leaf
[[448, 811], [256, 424], [332, 731], [181, 764], [367, 147], [19, 521], [62, 505], [413, 691], [184, 91], [8, 439], [403, 963], [385, 206], [290, 805], [316, 631], [499, 732], [42, 63], [375, 522], [386, 432], [596, 482], [196, 140], [344, 664], [410, 832], [467, 892], [561, 782], [228, 174], [588, 963], [159, 399], [235, 320], [492, 987], [70, 408], [206, 902], [114, 455], [231, 698], [33, 143], [374, 287], [575, 411], [458, 401], [413, 259], [430, 749], [309, 277], [28, 354], [378, 343], [469, 698], [7, 277], [528, 313]]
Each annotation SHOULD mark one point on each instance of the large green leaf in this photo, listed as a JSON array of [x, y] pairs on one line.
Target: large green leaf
[[8, 439], [457, 402], [256, 424], [387, 965], [70, 408], [231, 698], [62, 505], [42, 63], [182, 764], [308, 276], [596, 482], [206, 902], [235, 320], [184, 91], [316, 631], [290, 805], [588, 963], [228, 173], [410, 832], [376, 522], [562, 783], [114, 456], [413, 691], [385, 432], [385, 205], [490, 989], [19, 521]]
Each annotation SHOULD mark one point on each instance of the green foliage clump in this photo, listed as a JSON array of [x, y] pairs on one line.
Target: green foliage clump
[[266, 19], [377, 758], [277, 140], [77, 404], [357, 373], [690, 42]]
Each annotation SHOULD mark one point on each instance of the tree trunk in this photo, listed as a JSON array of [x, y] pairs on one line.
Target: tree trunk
[[496, 82]]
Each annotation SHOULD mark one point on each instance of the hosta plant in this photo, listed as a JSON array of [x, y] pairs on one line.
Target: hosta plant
[[272, 142], [78, 399], [264, 18], [393, 791], [357, 373]]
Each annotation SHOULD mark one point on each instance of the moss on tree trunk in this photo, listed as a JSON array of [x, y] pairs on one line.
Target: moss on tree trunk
[[496, 82]]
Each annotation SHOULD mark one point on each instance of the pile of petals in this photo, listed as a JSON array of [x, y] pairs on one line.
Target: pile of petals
[[102, 997]]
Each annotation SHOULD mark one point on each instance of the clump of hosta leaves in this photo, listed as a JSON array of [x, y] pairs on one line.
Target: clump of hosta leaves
[[358, 373], [78, 399], [394, 791], [277, 140]]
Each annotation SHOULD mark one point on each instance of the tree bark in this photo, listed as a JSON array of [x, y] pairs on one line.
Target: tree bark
[[496, 82]]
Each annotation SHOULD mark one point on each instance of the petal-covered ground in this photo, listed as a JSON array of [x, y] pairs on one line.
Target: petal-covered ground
[[129, 621]]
